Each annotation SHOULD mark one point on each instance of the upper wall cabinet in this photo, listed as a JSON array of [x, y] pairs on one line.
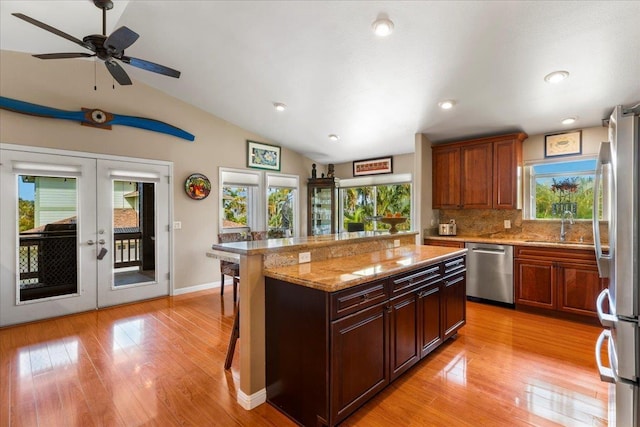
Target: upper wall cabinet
[[480, 173]]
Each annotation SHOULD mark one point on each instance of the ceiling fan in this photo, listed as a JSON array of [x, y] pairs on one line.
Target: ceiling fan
[[109, 49]]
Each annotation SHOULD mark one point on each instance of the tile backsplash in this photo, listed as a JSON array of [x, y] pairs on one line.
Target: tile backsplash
[[490, 223]]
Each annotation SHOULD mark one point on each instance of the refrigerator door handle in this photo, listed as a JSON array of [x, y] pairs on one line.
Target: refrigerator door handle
[[607, 374], [603, 261], [607, 320]]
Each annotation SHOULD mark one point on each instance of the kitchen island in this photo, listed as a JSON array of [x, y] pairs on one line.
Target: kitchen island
[[274, 256], [339, 331]]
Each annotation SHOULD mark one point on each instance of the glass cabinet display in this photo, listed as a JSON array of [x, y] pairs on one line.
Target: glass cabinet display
[[321, 206]]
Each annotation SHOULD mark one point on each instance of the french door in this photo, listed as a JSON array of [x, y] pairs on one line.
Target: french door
[[80, 232]]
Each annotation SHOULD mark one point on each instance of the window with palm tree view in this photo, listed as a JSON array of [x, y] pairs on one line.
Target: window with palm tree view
[[365, 204], [235, 201], [280, 211], [556, 188]]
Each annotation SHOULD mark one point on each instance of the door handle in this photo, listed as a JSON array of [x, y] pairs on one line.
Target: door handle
[[607, 374], [90, 242], [101, 241], [606, 319]]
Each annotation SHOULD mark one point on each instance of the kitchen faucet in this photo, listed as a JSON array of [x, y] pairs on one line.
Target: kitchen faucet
[[563, 232]]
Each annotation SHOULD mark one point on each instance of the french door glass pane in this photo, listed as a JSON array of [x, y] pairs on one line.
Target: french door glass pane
[[133, 233], [47, 224]]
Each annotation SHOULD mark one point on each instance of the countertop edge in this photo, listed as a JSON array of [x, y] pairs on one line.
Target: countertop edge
[[287, 244], [513, 242], [345, 284]]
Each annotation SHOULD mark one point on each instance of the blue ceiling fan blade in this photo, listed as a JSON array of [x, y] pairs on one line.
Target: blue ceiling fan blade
[[93, 117]]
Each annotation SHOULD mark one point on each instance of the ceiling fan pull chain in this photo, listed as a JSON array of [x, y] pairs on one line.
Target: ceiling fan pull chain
[[95, 78]]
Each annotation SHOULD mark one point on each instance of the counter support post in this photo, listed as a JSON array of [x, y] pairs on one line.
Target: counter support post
[[252, 391]]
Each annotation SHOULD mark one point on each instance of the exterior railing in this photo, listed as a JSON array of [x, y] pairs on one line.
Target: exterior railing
[[126, 247]]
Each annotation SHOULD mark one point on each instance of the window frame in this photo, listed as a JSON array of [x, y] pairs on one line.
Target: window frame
[[254, 181], [529, 185], [375, 181], [281, 180]]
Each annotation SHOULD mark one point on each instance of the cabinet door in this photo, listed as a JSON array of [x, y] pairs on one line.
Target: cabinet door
[[507, 156], [446, 178], [535, 284], [359, 359], [578, 288], [455, 299], [477, 176], [404, 334], [429, 318]]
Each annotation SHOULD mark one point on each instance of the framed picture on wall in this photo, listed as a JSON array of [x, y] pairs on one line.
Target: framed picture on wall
[[263, 156], [563, 144], [373, 166]]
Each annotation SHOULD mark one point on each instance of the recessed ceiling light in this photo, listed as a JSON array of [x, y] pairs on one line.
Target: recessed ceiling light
[[556, 76], [279, 106], [382, 27], [447, 104], [569, 120], [334, 137]]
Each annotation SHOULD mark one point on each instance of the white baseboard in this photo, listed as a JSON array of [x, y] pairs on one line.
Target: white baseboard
[[249, 402], [196, 288]]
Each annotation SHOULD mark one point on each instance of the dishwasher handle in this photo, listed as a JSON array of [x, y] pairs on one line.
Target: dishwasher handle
[[491, 251]]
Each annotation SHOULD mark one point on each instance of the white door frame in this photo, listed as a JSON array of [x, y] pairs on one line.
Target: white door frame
[[7, 224]]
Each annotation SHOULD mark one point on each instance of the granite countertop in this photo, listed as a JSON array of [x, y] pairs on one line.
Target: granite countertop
[[258, 247], [516, 241], [340, 273]]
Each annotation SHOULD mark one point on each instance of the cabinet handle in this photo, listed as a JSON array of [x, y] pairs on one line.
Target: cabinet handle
[[365, 297]]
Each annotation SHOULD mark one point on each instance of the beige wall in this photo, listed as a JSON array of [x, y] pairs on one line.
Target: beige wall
[[533, 147], [68, 85]]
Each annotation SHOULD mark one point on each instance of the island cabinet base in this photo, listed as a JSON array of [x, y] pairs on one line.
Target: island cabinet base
[[327, 353]]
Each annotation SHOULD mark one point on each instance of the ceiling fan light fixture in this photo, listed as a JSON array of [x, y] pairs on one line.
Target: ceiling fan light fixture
[[447, 104], [279, 106], [382, 26], [569, 120], [334, 137], [556, 76]]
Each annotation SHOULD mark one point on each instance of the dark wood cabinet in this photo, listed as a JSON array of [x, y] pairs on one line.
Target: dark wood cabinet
[[560, 280], [478, 174], [446, 171], [359, 364], [321, 206], [430, 318], [328, 353], [476, 187], [507, 162], [443, 242]]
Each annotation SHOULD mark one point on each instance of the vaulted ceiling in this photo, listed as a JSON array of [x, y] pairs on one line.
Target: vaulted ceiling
[[323, 61]]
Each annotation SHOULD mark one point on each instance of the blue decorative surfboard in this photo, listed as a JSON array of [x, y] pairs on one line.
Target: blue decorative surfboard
[[93, 117]]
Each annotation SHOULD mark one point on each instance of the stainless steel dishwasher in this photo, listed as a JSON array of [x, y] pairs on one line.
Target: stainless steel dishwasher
[[490, 272]]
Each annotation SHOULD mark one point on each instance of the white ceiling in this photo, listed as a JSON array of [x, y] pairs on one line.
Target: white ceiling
[[321, 59]]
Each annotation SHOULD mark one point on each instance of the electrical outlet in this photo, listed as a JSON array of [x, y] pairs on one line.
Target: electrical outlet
[[396, 243], [507, 223], [177, 225], [304, 257]]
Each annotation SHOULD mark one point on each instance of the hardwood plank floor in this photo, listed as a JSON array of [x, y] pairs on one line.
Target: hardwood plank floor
[[160, 363]]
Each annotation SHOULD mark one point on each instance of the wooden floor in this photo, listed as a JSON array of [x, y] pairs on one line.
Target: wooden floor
[[160, 363]]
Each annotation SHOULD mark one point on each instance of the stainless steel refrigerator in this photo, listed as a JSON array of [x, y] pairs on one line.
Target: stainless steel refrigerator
[[617, 179]]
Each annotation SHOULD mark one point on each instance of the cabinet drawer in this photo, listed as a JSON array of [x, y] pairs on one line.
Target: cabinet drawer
[[455, 265], [555, 254], [357, 298], [413, 280]]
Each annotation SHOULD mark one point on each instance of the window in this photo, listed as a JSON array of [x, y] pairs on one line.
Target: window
[[282, 205], [363, 199], [558, 187], [239, 200]]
